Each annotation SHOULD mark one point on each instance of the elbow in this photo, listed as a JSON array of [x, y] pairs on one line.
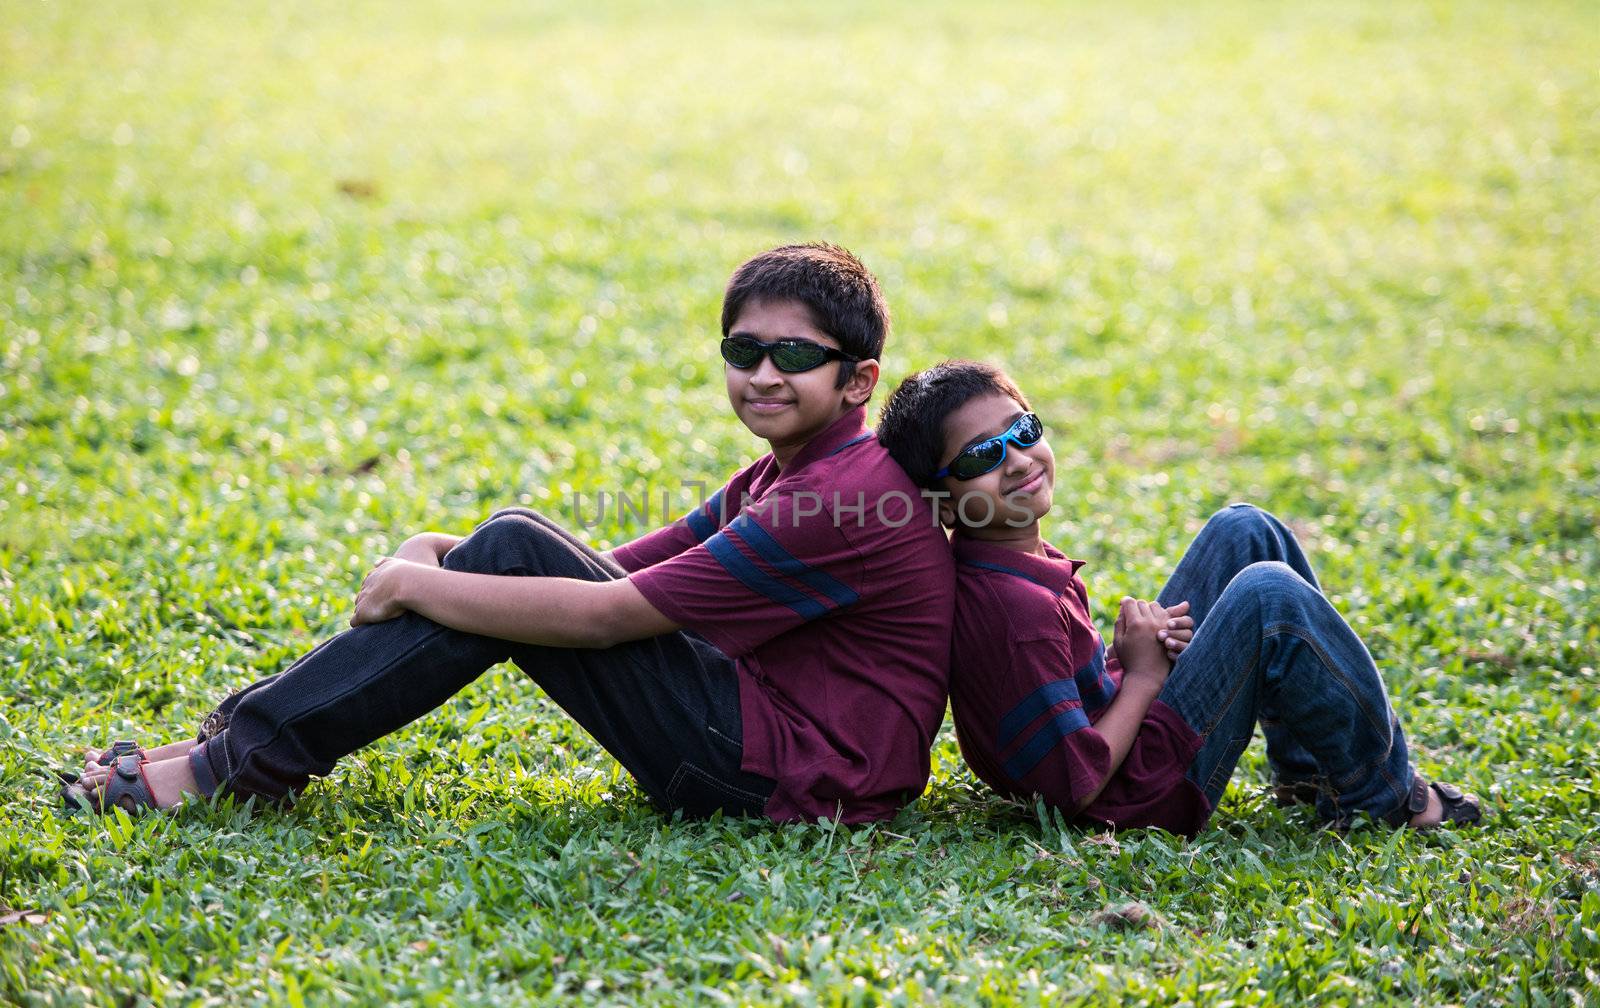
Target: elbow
[[598, 631], [1075, 802], [596, 640]]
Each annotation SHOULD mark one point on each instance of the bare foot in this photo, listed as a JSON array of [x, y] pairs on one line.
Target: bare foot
[[1433, 815], [171, 750], [170, 780]]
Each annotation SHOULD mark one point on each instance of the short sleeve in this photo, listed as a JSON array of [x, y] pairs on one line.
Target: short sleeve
[[1043, 739], [781, 562], [687, 532]]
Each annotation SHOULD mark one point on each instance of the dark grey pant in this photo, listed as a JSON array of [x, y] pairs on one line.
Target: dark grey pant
[[666, 707]]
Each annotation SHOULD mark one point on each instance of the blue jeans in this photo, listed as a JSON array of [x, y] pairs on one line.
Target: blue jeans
[[1269, 647]]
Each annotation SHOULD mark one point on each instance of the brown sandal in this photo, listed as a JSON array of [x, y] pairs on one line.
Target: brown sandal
[[127, 788], [1460, 808]]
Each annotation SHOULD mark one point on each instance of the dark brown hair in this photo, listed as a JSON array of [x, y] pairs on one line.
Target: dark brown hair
[[841, 294], [911, 423]]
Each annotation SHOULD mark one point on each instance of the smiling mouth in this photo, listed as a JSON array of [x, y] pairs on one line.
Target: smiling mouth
[[1029, 485], [768, 404]]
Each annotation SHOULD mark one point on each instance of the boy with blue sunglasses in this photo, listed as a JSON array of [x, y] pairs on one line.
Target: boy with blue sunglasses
[[781, 650], [1147, 732]]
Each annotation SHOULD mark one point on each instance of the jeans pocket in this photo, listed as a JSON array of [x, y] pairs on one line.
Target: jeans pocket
[[699, 793]]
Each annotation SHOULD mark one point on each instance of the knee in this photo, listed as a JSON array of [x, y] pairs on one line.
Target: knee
[[507, 543], [1243, 523], [1270, 580], [506, 512], [1239, 518]]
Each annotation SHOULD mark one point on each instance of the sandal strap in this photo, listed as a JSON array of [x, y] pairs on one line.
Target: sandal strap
[[119, 749], [1415, 802], [1460, 808], [127, 787]]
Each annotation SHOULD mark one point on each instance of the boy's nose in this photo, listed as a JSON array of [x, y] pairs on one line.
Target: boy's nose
[[1017, 461], [766, 373]]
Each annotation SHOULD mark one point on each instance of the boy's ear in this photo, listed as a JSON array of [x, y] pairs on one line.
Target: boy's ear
[[858, 389], [947, 512]]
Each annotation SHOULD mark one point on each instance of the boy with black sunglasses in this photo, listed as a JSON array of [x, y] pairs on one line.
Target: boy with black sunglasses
[[1149, 733], [780, 650]]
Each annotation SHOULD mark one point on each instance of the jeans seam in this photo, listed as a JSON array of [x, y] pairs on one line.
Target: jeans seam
[[685, 767], [1379, 765], [1213, 782], [1333, 670], [1394, 786], [277, 730], [1366, 770], [1212, 727], [1205, 736]]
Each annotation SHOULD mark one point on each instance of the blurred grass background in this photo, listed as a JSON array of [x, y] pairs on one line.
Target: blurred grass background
[[280, 285]]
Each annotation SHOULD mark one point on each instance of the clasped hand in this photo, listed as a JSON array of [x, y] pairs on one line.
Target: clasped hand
[[1147, 632], [378, 599]]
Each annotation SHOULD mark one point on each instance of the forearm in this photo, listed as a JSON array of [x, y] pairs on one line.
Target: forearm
[[549, 611], [1120, 724]]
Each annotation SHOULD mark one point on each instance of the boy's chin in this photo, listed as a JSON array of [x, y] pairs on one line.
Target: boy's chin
[[786, 426], [1031, 510], [1023, 519], [769, 426]]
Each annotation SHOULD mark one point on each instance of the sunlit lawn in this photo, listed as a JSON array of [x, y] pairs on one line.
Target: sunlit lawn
[[280, 285]]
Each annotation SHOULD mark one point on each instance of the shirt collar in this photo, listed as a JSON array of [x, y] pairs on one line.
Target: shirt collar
[[848, 429], [1054, 570]]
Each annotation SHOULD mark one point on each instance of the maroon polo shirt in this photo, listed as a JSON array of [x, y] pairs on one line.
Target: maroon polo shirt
[[831, 586], [1029, 677]]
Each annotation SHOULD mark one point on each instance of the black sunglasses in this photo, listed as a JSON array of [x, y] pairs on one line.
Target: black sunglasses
[[976, 459], [788, 355]]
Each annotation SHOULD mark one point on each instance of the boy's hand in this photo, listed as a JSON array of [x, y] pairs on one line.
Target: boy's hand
[[1179, 631], [378, 599], [1142, 653], [426, 548], [1177, 635]]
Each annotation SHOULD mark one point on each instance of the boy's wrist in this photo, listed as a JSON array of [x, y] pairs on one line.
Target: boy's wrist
[[1146, 674], [409, 585]]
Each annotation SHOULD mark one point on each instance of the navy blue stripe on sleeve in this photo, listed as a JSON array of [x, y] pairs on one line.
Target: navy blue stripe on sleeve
[[784, 562], [1094, 687], [1036, 703], [1059, 727], [759, 581], [703, 520]]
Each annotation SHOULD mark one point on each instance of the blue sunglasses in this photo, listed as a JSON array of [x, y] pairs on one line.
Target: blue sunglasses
[[985, 456]]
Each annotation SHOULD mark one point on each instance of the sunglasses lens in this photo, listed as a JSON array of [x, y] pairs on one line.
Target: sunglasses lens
[[978, 459], [741, 353], [1029, 429], [798, 356]]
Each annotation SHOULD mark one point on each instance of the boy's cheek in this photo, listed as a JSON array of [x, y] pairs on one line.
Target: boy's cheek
[[978, 508]]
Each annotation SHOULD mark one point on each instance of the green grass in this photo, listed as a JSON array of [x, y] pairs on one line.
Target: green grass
[[279, 286]]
